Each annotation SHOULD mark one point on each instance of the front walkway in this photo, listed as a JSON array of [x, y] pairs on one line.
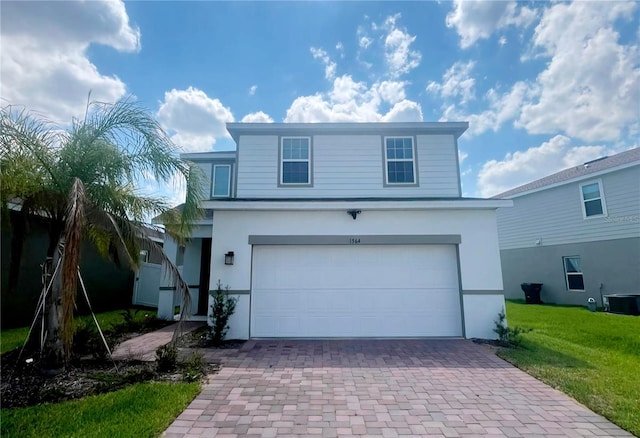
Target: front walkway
[[378, 388], [144, 347]]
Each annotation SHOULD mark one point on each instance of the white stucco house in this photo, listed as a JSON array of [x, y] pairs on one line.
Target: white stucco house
[[333, 230]]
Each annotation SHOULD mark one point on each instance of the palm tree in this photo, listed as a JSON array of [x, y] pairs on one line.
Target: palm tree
[[83, 179]]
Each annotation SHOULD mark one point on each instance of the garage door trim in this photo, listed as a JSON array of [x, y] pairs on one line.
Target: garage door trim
[[377, 239]]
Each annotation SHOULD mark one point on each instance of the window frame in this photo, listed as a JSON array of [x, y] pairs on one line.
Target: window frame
[[282, 160], [386, 161], [601, 198], [213, 181], [567, 274]]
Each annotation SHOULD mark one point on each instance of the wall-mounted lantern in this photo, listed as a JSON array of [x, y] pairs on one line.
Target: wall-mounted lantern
[[353, 213], [228, 258]]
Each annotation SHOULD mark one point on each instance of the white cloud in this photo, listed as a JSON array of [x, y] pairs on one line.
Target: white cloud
[[397, 44], [501, 108], [456, 83], [329, 65], [536, 162], [193, 119], [44, 62], [404, 111], [352, 101], [462, 156], [340, 49], [590, 86], [252, 90], [365, 42], [478, 19], [392, 91], [257, 117]]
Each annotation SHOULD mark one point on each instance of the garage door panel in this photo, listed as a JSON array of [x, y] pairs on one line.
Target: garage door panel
[[355, 291]]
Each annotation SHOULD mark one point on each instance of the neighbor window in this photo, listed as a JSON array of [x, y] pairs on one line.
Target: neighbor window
[[295, 165], [592, 199], [221, 180], [573, 273], [400, 164]]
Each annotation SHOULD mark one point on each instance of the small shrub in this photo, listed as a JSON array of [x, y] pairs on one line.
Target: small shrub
[[87, 340], [221, 310], [167, 358], [194, 368], [507, 336]]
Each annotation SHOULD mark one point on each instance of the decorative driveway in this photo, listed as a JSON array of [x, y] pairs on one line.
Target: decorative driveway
[[379, 388]]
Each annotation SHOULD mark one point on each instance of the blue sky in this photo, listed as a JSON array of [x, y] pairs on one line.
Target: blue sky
[[544, 86]]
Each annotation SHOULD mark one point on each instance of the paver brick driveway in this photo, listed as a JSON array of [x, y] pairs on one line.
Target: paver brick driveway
[[388, 388]]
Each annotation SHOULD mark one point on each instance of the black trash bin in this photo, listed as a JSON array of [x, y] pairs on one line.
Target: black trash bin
[[532, 292]]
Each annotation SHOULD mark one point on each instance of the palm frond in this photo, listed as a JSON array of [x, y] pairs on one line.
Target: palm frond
[[27, 150]]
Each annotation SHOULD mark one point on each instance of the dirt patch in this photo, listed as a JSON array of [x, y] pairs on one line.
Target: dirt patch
[[200, 338]]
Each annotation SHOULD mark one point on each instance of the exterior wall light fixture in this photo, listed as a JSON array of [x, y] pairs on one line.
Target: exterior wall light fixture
[[228, 258], [354, 213]]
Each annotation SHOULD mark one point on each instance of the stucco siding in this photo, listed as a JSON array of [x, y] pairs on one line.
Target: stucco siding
[[614, 264], [554, 216], [346, 166], [479, 253], [479, 257]]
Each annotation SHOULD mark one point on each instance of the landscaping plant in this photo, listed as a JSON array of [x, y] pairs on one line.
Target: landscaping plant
[[507, 336], [221, 310], [83, 179]]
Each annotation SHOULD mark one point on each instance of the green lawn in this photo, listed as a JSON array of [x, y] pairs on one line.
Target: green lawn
[[593, 357], [141, 410], [14, 338]]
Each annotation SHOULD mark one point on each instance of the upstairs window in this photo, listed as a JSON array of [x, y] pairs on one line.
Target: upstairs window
[[400, 163], [592, 199], [573, 273], [221, 180], [295, 165]]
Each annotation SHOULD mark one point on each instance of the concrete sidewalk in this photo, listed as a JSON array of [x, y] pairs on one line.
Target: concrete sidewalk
[[144, 347]]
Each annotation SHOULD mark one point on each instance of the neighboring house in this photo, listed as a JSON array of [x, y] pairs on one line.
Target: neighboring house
[[344, 230], [109, 286], [576, 231]]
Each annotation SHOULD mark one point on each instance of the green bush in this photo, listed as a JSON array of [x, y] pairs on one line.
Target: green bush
[[194, 367], [221, 310], [167, 358], [507, 336], [87, 340]]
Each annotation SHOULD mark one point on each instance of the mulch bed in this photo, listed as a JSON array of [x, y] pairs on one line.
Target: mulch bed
[[199, 338], [23, 384]]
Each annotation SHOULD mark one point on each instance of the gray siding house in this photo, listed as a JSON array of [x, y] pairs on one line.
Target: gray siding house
[[576, 231]]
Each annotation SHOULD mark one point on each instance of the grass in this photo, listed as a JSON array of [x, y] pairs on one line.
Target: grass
[[593, 357], [11, 339], [141, 410]]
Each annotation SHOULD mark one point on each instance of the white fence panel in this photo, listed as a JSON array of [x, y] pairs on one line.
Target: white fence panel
[[147, 286]]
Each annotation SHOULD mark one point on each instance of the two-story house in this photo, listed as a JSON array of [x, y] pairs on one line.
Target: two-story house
[[576, 231], [345, 230]]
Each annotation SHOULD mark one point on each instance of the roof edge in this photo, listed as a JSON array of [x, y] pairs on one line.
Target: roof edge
[[454, 128]]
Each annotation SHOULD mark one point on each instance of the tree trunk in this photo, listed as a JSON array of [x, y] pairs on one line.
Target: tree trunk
[[52, 358]]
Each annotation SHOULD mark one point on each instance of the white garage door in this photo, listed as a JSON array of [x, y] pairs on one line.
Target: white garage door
[[355, 291]]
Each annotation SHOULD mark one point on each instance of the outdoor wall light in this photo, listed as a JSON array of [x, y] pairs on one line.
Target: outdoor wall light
[[228, 258], [354, 213]]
